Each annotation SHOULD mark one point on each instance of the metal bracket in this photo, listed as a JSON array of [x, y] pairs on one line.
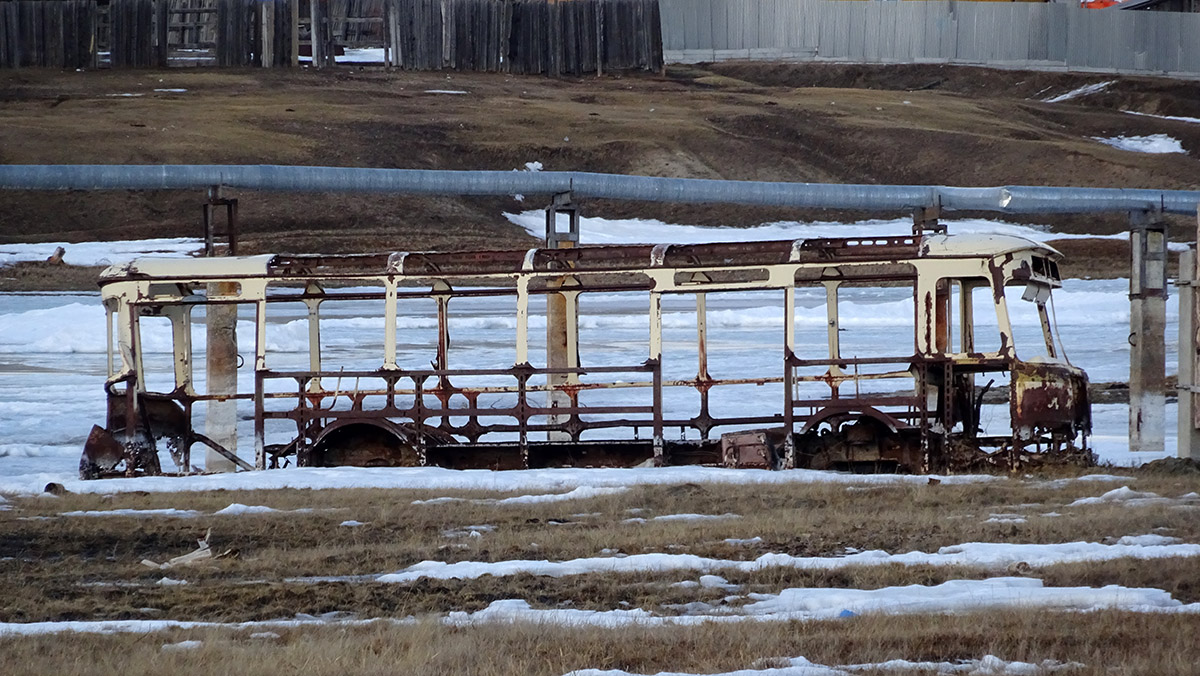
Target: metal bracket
[[231, 222], [562, 239], [1148, 262], [925, 219]]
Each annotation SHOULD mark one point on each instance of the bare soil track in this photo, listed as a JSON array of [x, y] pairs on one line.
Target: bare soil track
[[843, 124]]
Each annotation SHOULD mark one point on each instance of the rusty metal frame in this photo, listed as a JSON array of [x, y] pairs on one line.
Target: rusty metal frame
[[923, 411]]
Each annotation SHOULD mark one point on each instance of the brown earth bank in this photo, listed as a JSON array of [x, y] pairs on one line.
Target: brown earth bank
[[924, 124]]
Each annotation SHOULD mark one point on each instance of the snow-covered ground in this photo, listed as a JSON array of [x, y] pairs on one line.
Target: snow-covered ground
[[100, 253], [52, 347]]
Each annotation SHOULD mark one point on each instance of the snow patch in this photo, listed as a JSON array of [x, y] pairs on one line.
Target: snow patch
[[821, 604], [989, 555], [1193, 120], [1078, 92], [1123, 494], [1006, 518], [988, 665], [101, 253], [182, 645], [177, 513], [1154, 144], [1150, 539], [238, 509], [580, 493]]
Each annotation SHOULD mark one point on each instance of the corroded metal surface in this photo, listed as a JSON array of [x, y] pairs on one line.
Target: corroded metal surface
[[917, 409]]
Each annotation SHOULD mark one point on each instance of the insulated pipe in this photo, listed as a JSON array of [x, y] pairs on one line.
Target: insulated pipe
[[1006, 199]]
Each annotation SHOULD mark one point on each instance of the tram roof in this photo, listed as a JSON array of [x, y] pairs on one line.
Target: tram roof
[[602, 257]]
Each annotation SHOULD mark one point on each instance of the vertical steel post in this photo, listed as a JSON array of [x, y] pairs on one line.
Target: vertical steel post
[[1189, 436], [1147, 322], [562, 322]]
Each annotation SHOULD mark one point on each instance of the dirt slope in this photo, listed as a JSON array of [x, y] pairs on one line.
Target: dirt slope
[[898, 124]]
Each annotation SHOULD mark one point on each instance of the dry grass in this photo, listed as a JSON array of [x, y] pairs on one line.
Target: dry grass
[[47, 559], [1106, 642], [752, 123]]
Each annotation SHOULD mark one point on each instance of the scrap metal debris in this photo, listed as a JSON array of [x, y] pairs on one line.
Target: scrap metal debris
[[203, 554]]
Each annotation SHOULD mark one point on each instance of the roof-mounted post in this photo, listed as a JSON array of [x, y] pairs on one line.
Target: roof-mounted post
[[562, 239], [231, 222], [1147, 322], [925, 219]]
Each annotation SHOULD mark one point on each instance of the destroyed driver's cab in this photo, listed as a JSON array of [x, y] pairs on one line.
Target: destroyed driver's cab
[[970, 370]]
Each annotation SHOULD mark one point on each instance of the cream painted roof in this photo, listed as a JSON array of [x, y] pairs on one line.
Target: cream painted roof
[[190, 268], [938, 246]]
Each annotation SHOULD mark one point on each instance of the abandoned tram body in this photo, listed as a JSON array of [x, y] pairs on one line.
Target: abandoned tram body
[[915, 410]]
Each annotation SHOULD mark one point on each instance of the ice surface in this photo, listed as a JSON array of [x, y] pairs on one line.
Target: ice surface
[[989, 555]]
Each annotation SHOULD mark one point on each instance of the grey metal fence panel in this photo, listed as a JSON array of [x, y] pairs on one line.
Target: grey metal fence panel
[[1190, 61], [701, 12], [1011, 34], [1037, 33]]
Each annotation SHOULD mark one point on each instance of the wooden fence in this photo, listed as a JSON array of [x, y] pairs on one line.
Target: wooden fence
[[554, 37]]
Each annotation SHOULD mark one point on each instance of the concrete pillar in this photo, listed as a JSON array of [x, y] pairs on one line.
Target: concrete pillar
[[1147, 340], [220, 420], [1189, 436]]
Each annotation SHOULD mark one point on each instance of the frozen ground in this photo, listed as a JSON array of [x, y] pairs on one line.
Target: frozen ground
[[52, 345]]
